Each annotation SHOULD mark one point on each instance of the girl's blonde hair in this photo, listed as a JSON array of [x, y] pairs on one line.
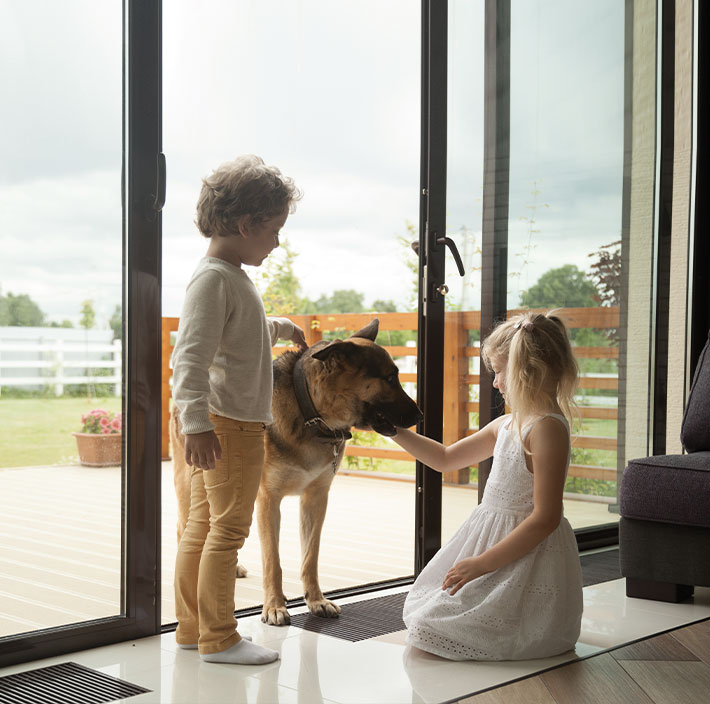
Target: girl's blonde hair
[[245, 186], [539, 364]]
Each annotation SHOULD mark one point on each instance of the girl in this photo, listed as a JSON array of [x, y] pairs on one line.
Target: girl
[[508, 585]]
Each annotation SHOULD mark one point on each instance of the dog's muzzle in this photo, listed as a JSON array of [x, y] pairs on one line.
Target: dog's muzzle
[[387, 418]]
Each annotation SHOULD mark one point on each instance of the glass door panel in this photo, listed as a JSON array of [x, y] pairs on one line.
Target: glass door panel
[[577, 136], [61, 314], [464, 193], [577, 167], [333, 99]]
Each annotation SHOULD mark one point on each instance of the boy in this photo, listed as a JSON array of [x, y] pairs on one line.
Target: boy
[[222, 385]]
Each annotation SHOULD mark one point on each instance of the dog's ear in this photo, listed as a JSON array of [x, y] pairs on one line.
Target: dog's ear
[[369, 332], [338, 348]]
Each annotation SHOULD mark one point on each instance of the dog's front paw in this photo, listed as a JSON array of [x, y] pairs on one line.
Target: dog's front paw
[[275, 615], [241, 572], [324, 608]]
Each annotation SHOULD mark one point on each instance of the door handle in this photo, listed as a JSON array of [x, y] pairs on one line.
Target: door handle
[[454, 251], [448, 242], [154, 202]]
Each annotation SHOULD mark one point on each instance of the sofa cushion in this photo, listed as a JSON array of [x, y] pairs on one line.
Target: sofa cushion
[[667, 488], [695, 430]]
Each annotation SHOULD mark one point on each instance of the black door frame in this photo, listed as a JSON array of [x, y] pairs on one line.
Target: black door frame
[[432, 225], [140, 597], [699, 254]]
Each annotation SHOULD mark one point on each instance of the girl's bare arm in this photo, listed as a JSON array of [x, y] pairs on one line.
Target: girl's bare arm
[[470, 450]]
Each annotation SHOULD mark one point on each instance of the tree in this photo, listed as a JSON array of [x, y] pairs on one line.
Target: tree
[[346, 300], [279, 286], [88, 315], [116, 323], [564, 287], [20, 311], [411, 261], [381, 306], [606, 272]]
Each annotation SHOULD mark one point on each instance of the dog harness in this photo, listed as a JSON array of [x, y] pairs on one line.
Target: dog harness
[[313, 421]]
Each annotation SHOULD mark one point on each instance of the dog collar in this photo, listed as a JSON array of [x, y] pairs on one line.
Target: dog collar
[[312, 419]]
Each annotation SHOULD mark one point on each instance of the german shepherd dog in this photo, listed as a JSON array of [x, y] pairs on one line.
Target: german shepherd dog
[[318, 396]]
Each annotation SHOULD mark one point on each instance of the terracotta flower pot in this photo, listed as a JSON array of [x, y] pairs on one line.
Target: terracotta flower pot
[[99, 450]]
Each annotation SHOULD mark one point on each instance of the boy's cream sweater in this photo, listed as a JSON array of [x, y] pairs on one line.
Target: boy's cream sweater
[[222, 357]]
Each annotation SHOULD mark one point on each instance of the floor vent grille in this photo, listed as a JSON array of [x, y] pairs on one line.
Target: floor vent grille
[[66, 683]]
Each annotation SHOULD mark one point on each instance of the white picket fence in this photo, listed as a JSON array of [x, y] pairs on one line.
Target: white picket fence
[[58, 362]]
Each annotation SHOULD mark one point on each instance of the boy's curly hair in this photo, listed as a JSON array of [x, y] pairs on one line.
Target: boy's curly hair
[[245, 186]]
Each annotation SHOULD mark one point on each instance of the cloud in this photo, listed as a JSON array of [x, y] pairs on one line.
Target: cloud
[[61, 240], [327, 91]]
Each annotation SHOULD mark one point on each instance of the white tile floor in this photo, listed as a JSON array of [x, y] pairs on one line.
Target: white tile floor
[[318, 669]]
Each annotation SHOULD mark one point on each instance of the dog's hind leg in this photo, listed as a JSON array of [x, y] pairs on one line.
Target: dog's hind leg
[[268, 505], [314, 502]]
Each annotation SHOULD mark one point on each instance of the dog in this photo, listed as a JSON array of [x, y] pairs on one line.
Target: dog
[[319, 395]]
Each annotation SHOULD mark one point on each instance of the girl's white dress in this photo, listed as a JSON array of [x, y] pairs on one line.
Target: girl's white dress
[[531, 608]]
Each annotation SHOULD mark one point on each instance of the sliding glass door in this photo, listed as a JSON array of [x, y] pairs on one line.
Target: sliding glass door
[[79, 327], [330, 95], [549, 157]]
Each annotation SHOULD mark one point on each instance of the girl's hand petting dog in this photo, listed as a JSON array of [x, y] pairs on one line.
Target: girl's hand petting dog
[[463, 572]]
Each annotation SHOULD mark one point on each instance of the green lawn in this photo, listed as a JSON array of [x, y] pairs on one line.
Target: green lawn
[[38, 431]]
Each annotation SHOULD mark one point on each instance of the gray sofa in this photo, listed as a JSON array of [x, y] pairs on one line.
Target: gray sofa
[[664, 529]]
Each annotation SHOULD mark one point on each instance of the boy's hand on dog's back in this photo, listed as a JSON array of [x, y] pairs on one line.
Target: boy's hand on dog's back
[[299, 339], [202, 450]]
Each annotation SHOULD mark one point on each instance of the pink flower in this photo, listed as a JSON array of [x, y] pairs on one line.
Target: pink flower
[[102, 422]]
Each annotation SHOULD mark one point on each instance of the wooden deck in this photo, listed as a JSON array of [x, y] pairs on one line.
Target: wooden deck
[[60, 541]]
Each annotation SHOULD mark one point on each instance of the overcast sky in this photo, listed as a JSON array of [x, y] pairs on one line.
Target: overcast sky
[[329, 92]]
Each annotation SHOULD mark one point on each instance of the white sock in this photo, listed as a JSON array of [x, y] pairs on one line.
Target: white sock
[[193, 646], [243, 653]]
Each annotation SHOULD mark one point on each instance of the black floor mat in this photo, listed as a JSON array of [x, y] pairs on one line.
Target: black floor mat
[[600, 567], [376, 617], [359, 620], [68, 683]]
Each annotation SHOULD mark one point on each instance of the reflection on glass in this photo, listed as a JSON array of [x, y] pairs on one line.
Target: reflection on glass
[[341, 116], [566, 213], [60, 314], [577, 240]]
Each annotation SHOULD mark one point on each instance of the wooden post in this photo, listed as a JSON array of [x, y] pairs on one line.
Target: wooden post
[[118, 368], [455, 388], [168, 326], [311, 328]]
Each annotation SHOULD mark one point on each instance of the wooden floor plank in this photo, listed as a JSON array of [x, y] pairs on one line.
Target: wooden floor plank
[[696, 638], [663, 647], [529, 691], [671, 682], [598, 680]]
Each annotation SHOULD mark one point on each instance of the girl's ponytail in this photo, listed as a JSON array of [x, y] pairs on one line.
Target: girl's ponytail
[[539, 362]]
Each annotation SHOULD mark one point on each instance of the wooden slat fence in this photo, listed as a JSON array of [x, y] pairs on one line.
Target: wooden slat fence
[[458, 378]]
